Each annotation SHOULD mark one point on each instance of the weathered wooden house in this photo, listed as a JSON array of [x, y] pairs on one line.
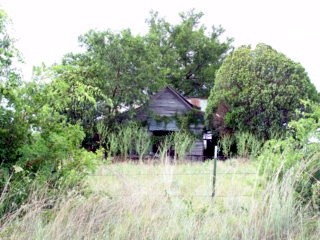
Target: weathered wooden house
[[167, 111]]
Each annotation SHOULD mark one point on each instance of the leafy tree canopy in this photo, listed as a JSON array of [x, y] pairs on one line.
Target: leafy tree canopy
[[116, 69], [186, 54], [8, 53], [12, 127], [257, 90], [125, 69]]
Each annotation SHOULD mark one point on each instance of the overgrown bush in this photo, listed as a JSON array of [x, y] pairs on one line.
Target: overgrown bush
[[247, 144], [53, 159], [225, 143], [300, 150], [165, 146], [182, 142], [50, 154], [142, 142], [128, 140], [241, 144]]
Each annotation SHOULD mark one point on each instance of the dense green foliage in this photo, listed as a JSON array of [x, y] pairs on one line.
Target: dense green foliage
[[132, 141], [12, 127], [240, 144], [50, 152], [114, 65], [38, 145], [186, 54], [257, 90], [299, 150], [89, 98], [123, 70], [80, 102]]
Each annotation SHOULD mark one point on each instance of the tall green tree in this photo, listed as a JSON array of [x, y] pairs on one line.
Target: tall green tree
[[38, 143], [126, 73], [118, 64], [127, 68], [118, 68], [12, 125], [257, 90], [83, 101], [45, 148], [186, 54], [8, 53]]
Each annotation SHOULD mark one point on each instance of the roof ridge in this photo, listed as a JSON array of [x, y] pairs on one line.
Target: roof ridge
[[184, 100]]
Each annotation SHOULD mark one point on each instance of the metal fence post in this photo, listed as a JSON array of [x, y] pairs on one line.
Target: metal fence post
[[214, 171]]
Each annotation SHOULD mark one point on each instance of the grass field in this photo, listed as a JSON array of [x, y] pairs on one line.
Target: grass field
[[166, 201], [235, 178]]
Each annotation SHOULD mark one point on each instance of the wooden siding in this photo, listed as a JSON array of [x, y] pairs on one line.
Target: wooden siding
[[168, 103], [196, 151]]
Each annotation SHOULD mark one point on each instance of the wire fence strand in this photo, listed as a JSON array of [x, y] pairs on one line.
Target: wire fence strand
[[173, 174], [187, 195], [110, 173]]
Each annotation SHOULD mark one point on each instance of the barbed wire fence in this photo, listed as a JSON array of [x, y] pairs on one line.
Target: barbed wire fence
[[212, 194], [213, 175]]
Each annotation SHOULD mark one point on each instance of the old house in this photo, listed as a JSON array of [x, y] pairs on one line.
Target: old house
[[168, 111]]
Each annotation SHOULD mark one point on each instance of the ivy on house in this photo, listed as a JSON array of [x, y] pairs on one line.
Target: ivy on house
[[192, 117], [184, 121]]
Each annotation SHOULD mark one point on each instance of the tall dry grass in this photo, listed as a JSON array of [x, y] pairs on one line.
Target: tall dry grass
[[128, 206]]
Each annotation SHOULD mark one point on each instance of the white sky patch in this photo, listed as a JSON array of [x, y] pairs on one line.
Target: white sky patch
[[48, 29]]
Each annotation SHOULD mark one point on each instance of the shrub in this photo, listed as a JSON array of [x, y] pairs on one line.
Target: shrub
[[300, 150], [182, 142], [142, 142], [247, 144], [53, 159], [226, 143]]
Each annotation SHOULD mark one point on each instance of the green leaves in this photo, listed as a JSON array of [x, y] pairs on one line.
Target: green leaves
[[297, 151], [262, 89], [118, 72], [12, 125], [8, 54], [186, 55]]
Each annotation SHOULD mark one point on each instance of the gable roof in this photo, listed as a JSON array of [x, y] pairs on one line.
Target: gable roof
[[166, 102], [183, 100]]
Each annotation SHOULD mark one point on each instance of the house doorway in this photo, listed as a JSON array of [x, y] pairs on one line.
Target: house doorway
[[158, 139]]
